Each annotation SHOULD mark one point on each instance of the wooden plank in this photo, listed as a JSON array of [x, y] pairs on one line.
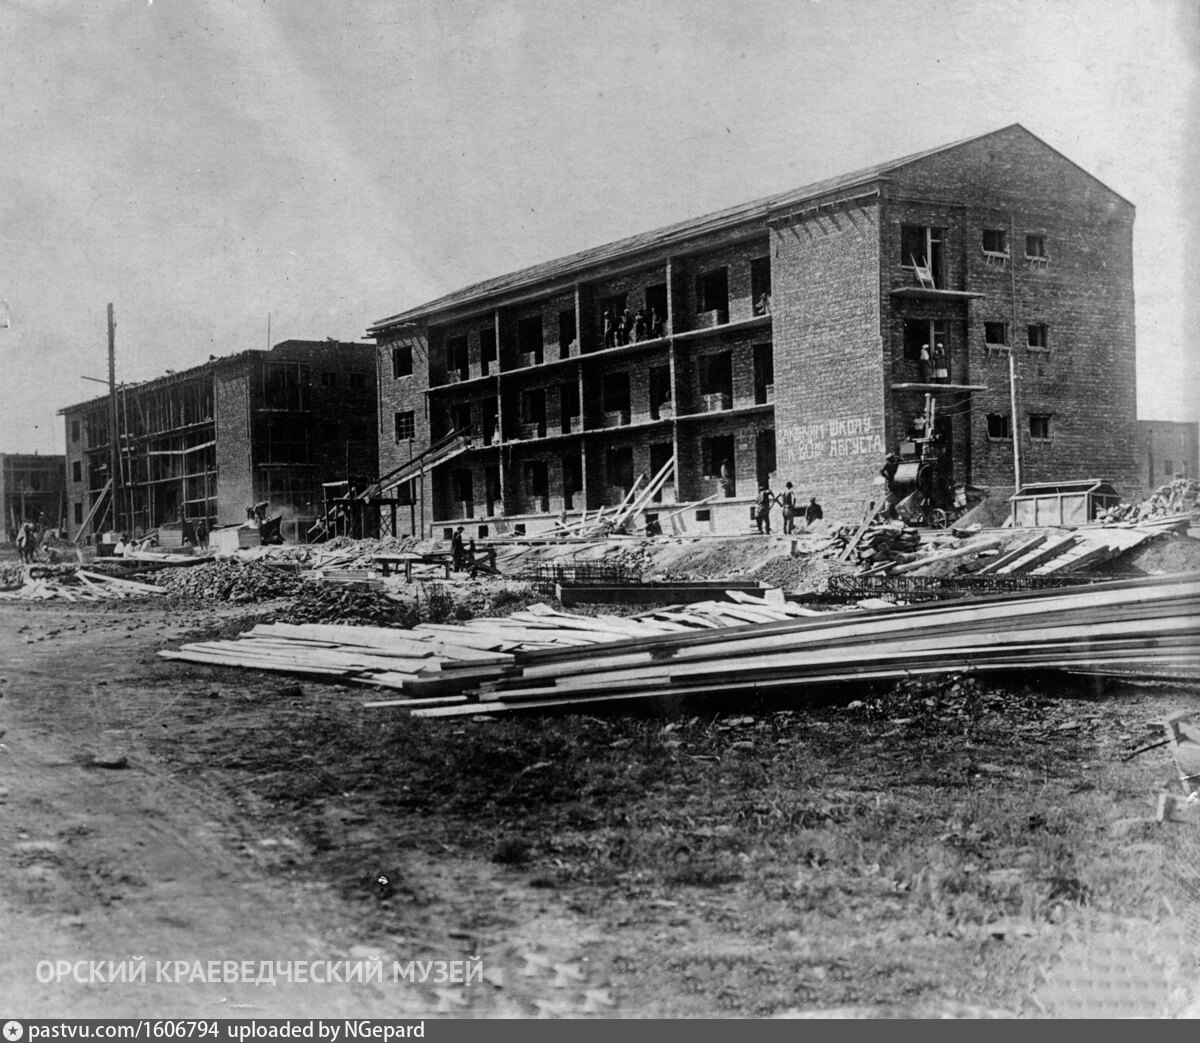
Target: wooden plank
[[1010, 556], [868, 517], [1031, 561]]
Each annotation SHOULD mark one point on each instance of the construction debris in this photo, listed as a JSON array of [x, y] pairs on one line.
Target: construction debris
[[230, 579], [68, 583], [542, 658], [1177, 500]]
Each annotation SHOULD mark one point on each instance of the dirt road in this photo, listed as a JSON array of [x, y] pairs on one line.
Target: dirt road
[[924, 858]]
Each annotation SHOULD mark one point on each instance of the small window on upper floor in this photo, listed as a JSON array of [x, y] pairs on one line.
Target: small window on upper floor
[[995, 242], [74, 430], [406, 426], [1039, 337], [1035, 247], [402, 361], [997, 426], [76, 471], [1039, 427], [329, 379], [760, 285], [995, 334], [923, 249]]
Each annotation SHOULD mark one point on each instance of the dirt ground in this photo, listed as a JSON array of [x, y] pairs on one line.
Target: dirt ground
[[963, 849]]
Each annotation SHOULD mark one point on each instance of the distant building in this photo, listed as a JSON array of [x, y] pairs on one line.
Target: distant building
[[31, 489], [208, 442], [778, 341], [1167, 449]]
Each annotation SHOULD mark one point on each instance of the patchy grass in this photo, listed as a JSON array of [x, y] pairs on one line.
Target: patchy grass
[[923, 842]]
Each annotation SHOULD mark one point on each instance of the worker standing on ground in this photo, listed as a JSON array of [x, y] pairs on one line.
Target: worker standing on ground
[[762, 509], [27, 542], [888, 470], [788, 503], [202, 534], [456, 550], [812, 512]]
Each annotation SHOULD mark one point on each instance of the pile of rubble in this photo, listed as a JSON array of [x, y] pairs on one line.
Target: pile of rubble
[[1182, 496], [316, 603], [880, 543], [229, 579]]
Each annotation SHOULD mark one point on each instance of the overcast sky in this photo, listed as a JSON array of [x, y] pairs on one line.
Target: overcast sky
[[202, 163]]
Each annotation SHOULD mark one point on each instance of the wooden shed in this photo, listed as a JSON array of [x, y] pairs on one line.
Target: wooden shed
[[1062, 503]]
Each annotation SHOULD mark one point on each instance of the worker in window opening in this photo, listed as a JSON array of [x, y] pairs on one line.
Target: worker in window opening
[[762, 508], [656, 324], [610, 335], [941, 371], [456, 550], [727, 483], [926, 361], [639, 325], [626, 330], [202, 534], [763, 305], [813, 512], [788, 502], [888, 470]]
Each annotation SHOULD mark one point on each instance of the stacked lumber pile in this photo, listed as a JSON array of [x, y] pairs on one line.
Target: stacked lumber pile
[[70, 583], [333, 650], [544, 659], [1177, 500]]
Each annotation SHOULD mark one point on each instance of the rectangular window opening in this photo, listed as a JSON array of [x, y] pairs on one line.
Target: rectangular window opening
[[1039, 427], [922, 249], [618, 468], [487, 349], [995, 242], [614, 394], [458, 366], [660, 392], [716, 381], [712, 295], [764, 374], [995, 334], [923, 334], [530, 339], [1035, 247], [760, 285], [567, 341], [656, 310], [76, 471], [717, 458], [406, 426], [998, 426], [1038, 337]]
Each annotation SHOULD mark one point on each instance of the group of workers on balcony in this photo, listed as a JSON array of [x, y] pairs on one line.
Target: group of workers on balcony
[[935, 368], [629, 328]]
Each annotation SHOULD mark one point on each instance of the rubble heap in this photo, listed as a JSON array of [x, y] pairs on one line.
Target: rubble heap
[[1182, 496], [229, 579]]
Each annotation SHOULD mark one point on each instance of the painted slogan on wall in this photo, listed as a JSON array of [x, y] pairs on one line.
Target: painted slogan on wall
[[844, 436]]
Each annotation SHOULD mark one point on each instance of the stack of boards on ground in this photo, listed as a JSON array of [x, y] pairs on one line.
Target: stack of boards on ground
[[540, 658]]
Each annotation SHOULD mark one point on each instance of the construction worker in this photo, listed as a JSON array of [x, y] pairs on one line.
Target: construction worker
[[788, 502], [762, 509], [888, 470], [812, 512], [457, 555]]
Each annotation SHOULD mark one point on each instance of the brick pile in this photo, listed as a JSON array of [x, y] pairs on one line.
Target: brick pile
[[229, 579], [1182, 496]]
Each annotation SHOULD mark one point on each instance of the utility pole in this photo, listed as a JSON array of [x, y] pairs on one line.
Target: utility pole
[[113, 473], [1014, 426]]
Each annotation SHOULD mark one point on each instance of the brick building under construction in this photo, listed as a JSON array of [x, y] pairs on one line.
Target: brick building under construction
[[782, 341], [207, 442]]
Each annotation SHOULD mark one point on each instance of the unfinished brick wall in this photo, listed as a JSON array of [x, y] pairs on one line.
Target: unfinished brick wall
[[1083, 293], [829, 372], [231, 411]]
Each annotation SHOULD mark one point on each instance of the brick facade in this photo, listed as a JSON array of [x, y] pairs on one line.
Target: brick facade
[[837, 349]]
